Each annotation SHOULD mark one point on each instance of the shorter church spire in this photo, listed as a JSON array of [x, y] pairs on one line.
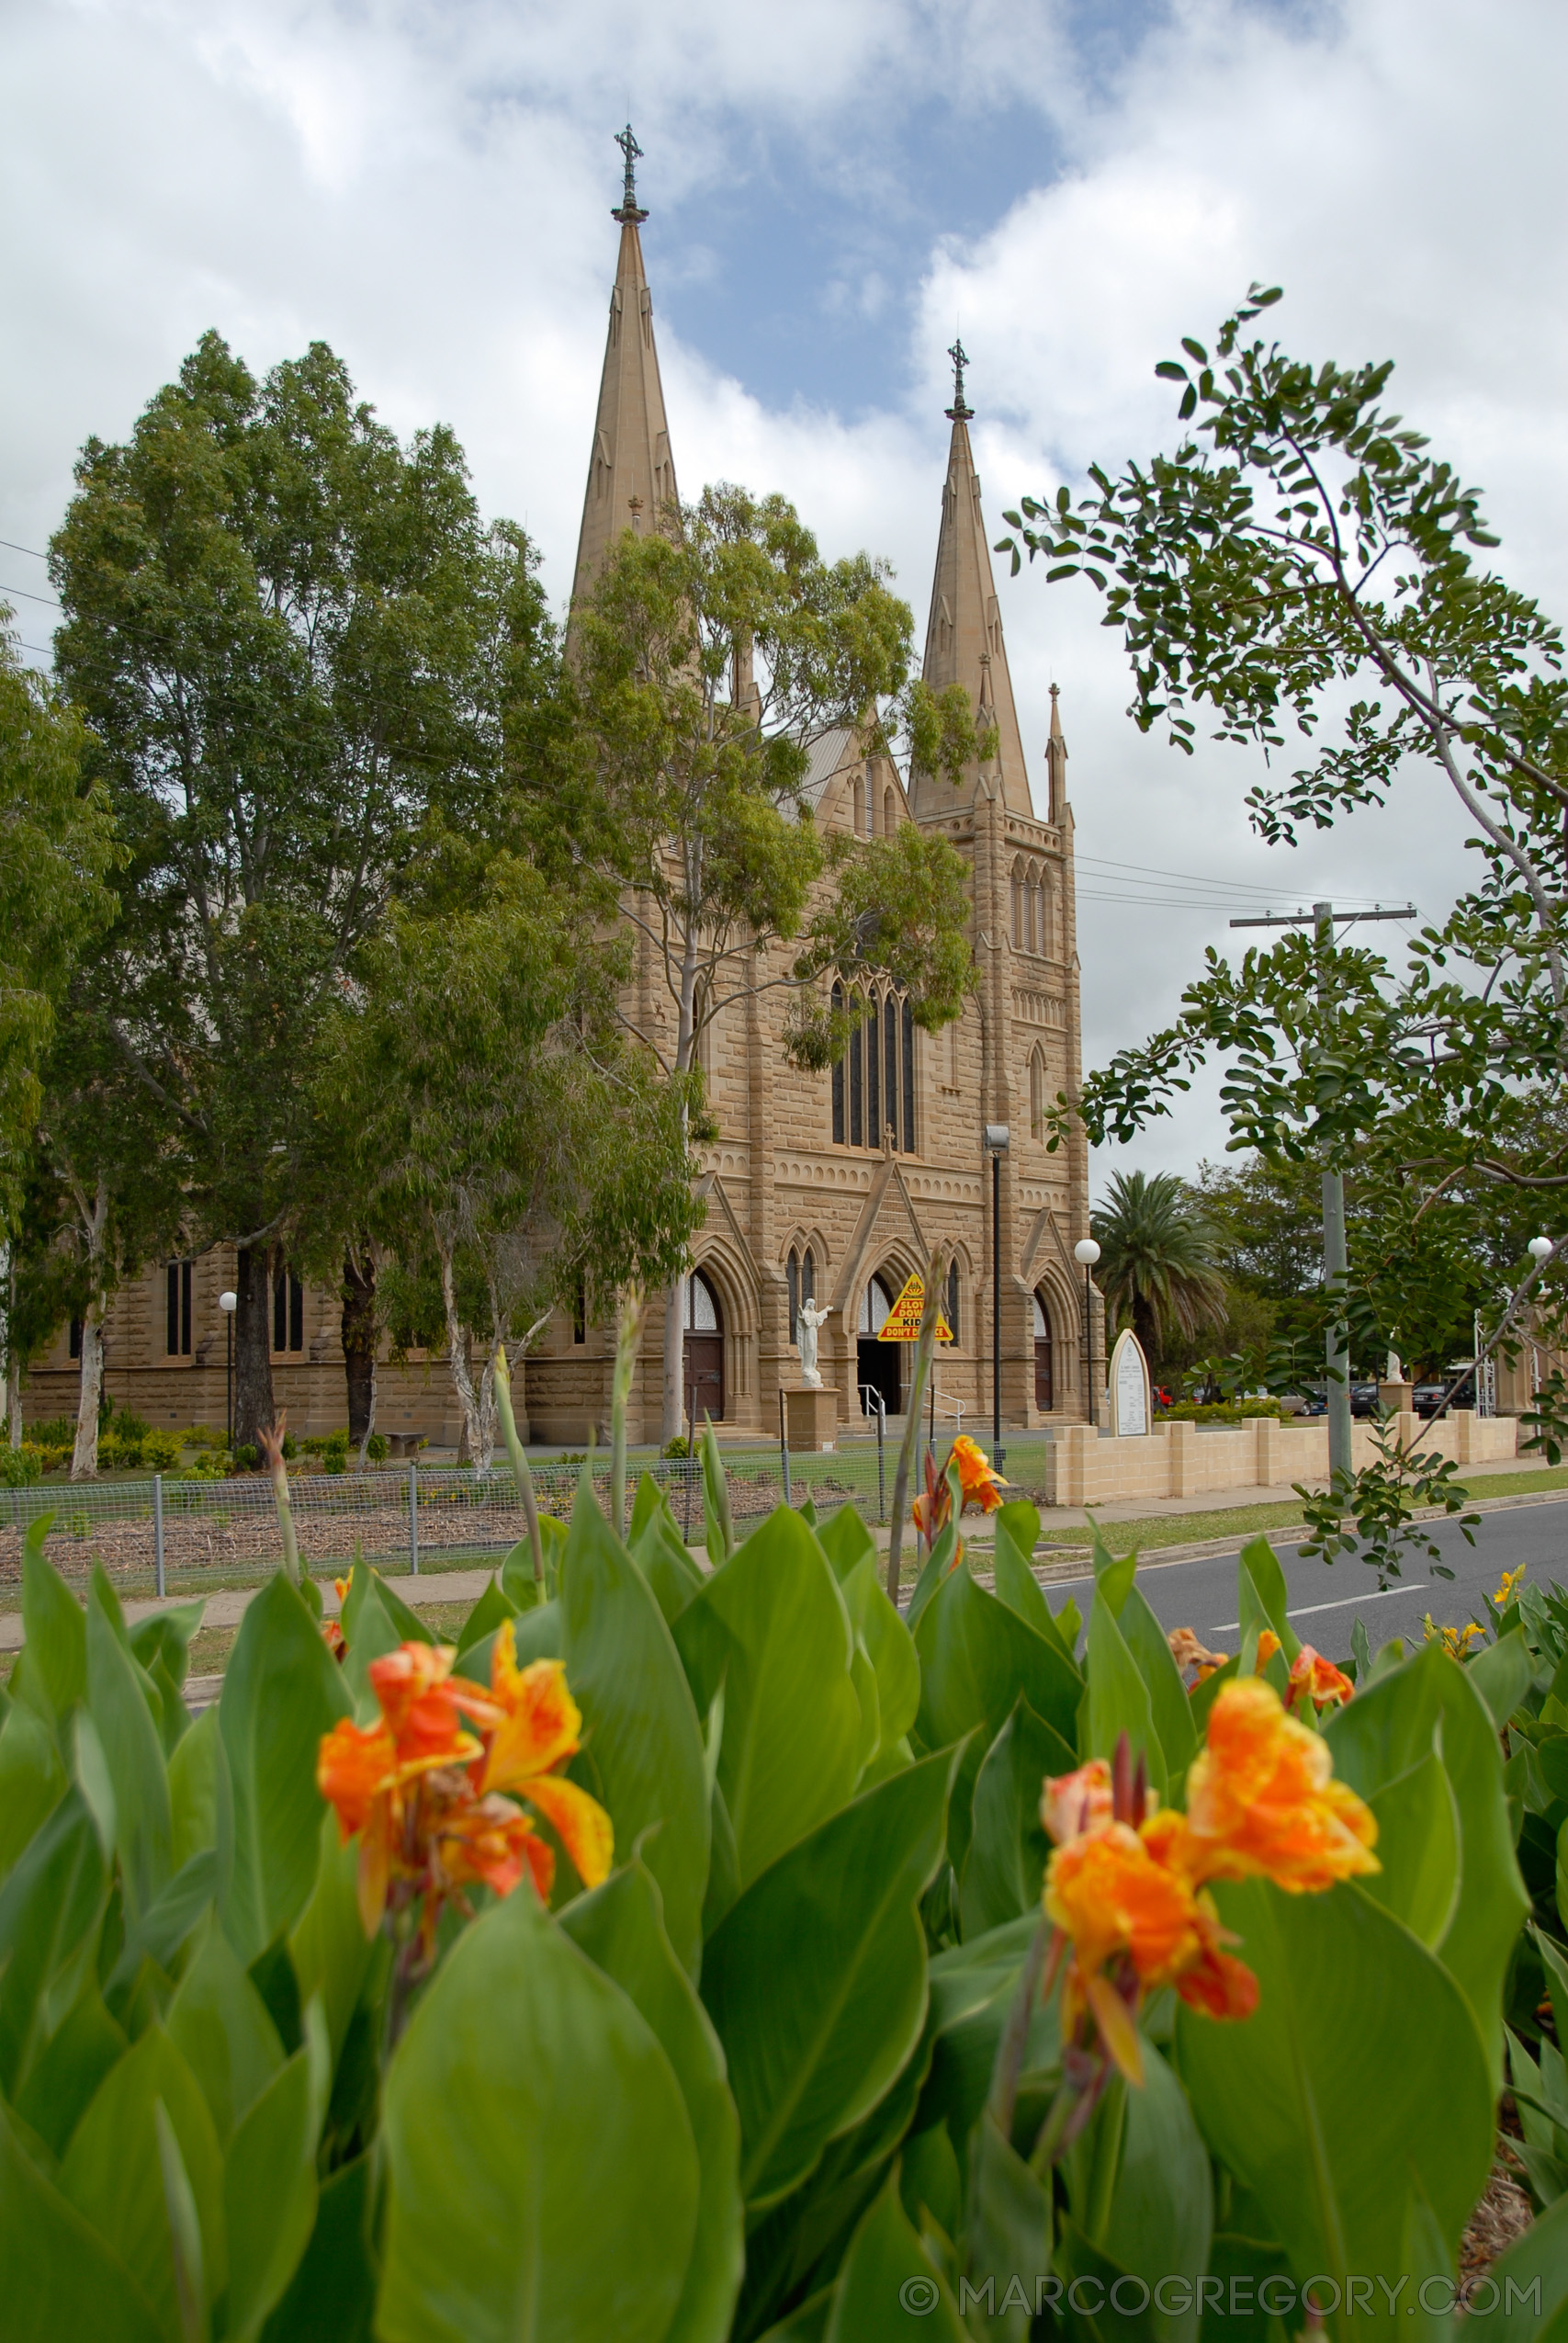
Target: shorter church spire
[[959, 411]]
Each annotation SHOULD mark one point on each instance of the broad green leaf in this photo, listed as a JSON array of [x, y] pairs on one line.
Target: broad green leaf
[[112, 2173], [86, 2044], [1385, 1731], [165, 1636], [718, 1536], [1161, 2210], [1360, 2076], [1118, 1698], [620, 1928], [90, 1770], [864, 1676], [1005, 1866], [972, 1990], [332, 2296], [770, 1626], [517, 1578], [491, 1611], [410, 1627], [1008, 2232], [375, 1634], [329, 1948], [269, 2193], [1502, 1673], [1418, 1847], [219, 2022], [56, 1632], [888, 1644], [200, 1804], [1267, 1580], [282, 1692], [889, 2290], [944, 1558], [977, 1658], [1168, 1700], [816, 1978], [1017, 1534], [58, 2280], [135, 1756], [665, 1560], [32, 1780], [542, 2179], [929, 2177], [846, 1541], [51, 1908], [1113, 1573], [643, 1747], [162, 1931]]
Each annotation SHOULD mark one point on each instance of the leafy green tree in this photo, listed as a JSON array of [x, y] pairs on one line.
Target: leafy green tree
[[1312, 565], [57, 850], [1157, 1266], [505, 1131], [292, 637], [707, 661]]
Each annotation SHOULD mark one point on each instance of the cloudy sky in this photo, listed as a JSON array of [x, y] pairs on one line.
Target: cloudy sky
[[833, 187]]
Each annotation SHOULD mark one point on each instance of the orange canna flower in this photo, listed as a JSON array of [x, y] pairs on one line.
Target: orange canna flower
[[1317, 1679], [1188, 1652], [540, 1727], [981, 1484], [1074, 1804], [1267, 1645], [423, 1703], [355, 1766], [1262, 1801], [488, 1840]]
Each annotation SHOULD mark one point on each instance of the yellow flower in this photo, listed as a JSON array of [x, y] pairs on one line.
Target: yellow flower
[[1261, 1800], [1508, 1587]]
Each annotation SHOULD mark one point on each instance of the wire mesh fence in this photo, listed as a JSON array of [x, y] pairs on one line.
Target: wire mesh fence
[[171, 1534]]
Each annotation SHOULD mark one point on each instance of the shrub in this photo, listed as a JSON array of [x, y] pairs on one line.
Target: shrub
[[377, 1448], [161, 1450], [203, 1435], [247, 1457], [129, 1426], [20, 1467], [53, 1431], [678, 1446], [210, 1464], [1221, 1411]]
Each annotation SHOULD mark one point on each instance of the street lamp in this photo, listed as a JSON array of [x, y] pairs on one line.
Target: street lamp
[[229, 1304], [1540, 1247], [1086, 1252], [996, 1147]]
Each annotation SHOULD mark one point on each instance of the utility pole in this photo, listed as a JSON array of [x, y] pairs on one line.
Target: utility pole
[[1335, 1256]]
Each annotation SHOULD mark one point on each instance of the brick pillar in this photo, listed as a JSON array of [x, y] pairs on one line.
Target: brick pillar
[[1183, 1459], [1269, 1448]]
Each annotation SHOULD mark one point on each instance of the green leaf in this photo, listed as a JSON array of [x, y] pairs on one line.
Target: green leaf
[[1328, 2103], [1005, 1867], [269, 2193], [165, 1636], [200, 1802], [1118, 1698], [32, 1780], [620, 1928], [1418, 1847], [1169, 1703], [56, 1632], [888, 1644], [1161, 2215], [663, 1555], [886, 2268], [282, 1692], [816, 1978], [1502, 1673], [113, 2176], [1113, 1573], [58, 2278], [79, 2054], [1016, 1583], [332, 2296], [329, 1948], [770, 1626], [375, 1634], [219, 2024], [846, 1541], [162, 1931], [1386, 1730], [643, 1746], [977, 1658], [51, 1908], [517, 1579], [131, 1744], [542, 2177], [718, 1536], [491, 1611], [1007, 2234], [1261, 1565]]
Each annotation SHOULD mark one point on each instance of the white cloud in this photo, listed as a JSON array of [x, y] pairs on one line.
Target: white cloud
[[427, 189]]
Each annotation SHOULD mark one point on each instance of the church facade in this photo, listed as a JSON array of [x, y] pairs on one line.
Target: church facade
[[834, 1186]]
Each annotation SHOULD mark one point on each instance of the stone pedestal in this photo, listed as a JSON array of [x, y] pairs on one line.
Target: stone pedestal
[[1396, 1398], [812, 1420]]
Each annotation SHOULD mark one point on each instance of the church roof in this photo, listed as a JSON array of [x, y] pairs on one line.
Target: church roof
[[964, 634], [827, 753]]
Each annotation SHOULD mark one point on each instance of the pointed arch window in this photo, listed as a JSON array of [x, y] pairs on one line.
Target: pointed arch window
[[889, 812], [873, 1084], [792, 1275], [1036, 1095], [952, 1297]]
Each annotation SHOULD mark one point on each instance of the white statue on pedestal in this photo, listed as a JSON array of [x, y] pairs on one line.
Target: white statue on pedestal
[[806, 1324], [1395, 1371]]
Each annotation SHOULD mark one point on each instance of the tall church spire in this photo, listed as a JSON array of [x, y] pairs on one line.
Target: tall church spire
[[963, 636], [631, 474]]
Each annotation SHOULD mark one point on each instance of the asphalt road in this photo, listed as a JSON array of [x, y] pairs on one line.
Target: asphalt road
[[1325, 1599]]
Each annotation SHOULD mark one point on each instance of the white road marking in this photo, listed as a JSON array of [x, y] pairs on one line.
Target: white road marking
[[1307, 1610]]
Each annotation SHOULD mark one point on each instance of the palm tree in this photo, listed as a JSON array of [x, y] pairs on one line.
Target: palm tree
[[1157, 1263]]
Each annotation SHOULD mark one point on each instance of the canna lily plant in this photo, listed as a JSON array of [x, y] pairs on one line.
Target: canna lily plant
[[726, 1958]]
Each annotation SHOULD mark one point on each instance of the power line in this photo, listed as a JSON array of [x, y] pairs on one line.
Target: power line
[[30, 549], [47, 599], [1153, 870]]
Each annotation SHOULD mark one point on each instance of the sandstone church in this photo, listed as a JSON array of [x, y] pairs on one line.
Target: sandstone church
[[832, 1187]]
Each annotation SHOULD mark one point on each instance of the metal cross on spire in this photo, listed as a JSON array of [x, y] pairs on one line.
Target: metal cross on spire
[[960, 410], [628, 211]]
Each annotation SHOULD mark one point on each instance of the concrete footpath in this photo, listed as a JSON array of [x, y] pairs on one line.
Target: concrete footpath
[[226, 1606]]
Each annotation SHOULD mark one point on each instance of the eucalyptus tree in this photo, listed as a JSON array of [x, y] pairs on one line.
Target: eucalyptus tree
[[707, 659], [290, 636], [1304, 564], [505, 1129]]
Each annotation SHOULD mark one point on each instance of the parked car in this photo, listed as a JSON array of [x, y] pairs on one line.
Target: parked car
[[1364, 1401], [1430, 1397]]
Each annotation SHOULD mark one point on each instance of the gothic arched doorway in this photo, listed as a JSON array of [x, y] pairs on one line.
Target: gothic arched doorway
[[704, 1352], [1044, 1378], [876, 1363]]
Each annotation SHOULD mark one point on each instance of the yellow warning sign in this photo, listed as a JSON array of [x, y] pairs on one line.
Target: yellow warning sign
[[902, 1323]]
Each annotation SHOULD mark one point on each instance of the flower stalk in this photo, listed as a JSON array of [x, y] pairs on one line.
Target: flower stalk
[[519, 1457], [628, 1325], [270, 1440], [908, 1447]]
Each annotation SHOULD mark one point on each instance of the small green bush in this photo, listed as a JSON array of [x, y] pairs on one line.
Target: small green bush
[[212, 1463], [678, 1446], [203, 1435], [161, 1450], [19, 1468], [1221, 1411], [53, 1431], [247, 1456], [377, 1448]]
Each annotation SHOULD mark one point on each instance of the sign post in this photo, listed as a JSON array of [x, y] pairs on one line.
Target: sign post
[[902, 1323], [1129, 1381]]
